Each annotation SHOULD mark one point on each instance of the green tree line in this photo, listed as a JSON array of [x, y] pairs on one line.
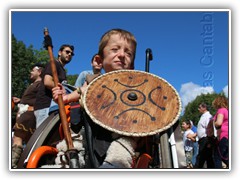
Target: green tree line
[[22, 60], [191, 110]]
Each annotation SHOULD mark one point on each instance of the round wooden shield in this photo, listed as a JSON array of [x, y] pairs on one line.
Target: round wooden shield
[[132, 103]]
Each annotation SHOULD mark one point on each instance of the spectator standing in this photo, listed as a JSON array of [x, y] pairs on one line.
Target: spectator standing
[[220, 103], [195, 144], [188, 142], [205, 151]]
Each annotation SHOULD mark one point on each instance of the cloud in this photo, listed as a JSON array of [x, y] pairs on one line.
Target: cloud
[[189, 91], [225, 90]]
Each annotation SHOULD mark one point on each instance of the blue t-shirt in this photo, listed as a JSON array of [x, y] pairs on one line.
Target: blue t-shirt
[[82, 77], [194, 129]]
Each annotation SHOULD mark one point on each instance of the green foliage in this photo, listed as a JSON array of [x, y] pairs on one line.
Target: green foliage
[[71, 79], [22, 60], [41, 56], [191, 110]]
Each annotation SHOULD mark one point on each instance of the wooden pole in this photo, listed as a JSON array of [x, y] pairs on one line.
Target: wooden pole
[[63, 116]]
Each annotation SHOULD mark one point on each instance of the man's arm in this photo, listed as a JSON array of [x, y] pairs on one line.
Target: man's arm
[[48, 82], [219, 120]]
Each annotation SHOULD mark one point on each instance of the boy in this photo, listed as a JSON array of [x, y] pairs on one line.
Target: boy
[[117, 50], [188, 142], [96, 69]]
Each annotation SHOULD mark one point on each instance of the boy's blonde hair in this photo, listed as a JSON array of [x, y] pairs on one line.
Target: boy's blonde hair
[[122, 33]]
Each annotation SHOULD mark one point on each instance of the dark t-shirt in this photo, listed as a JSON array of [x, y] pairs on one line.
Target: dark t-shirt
[[44, 95], [26, 123], [29, 96]]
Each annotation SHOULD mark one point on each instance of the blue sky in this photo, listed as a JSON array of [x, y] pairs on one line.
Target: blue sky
[[190, 48]]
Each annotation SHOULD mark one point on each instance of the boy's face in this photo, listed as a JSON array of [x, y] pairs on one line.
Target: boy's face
[[118, 54], [184, 126]]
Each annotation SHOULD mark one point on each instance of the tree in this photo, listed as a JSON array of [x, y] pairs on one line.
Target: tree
[[71, 79], [191, 110], [41, 56], [23, 58]]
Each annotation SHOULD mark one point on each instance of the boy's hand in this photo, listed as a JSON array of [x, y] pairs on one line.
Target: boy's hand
[[59, 90], [84, 87]]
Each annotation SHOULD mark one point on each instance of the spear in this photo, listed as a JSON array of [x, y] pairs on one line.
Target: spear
[[71, 153], [149, 57], [165, 152]]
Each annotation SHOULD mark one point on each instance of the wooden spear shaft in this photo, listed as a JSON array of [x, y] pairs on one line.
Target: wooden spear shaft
[[62, 112]]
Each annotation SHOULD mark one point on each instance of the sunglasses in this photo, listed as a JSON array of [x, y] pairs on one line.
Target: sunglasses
[[69, 52]]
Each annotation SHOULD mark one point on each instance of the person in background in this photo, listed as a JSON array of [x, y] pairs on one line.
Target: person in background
[[76, 115], [25, 121], [221, 153], [195, 144], [44, 95], [96, 69], [205, 151], [117, 50], [188, 142]]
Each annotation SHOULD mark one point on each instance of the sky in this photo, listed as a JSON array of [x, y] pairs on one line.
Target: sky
[[190, 47]]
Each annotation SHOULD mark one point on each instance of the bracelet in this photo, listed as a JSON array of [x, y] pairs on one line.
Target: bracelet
[[66, 99], [79, 91]]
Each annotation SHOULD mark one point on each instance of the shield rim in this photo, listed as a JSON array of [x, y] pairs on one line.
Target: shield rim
[[133, 134]]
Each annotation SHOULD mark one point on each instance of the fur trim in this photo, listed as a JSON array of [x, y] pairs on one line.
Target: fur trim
[[61, 160], [77, 143], [120, 153]]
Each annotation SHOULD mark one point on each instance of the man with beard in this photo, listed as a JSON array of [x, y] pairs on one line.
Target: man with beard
[[25, 121], [44, 96]]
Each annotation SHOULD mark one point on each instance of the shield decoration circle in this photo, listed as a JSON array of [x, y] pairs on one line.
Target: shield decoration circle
[[132, 103]]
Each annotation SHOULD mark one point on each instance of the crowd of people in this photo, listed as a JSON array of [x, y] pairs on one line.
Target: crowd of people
[[211, 137], [116, 51]]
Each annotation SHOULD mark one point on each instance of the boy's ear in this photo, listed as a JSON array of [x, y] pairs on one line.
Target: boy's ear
[[98, 60]]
